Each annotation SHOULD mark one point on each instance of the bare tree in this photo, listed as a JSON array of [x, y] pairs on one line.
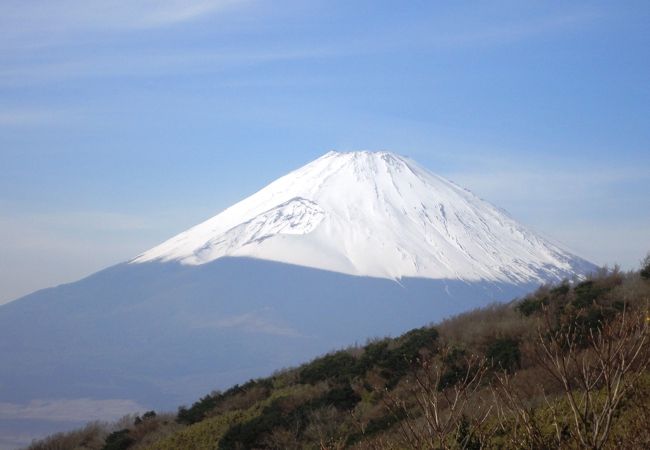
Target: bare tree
[[516, 419], [441, 412], [284, 439], [636, 432], [595, 369], [327, 429]]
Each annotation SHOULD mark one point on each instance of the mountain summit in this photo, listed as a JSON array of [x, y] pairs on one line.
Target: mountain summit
[[373, 214]]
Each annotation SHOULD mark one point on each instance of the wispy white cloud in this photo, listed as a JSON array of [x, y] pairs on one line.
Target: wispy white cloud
[[137, 63], [620, 243], [513, 31], [76, 221], [75, 24], [545, 183], [459, 29], [252, 322], [22, 117], [94, 221], [79, 409], [581, 208], [157, 13], [68, 16]]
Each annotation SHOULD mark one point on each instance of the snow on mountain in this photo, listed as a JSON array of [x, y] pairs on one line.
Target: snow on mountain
[[373, 214]]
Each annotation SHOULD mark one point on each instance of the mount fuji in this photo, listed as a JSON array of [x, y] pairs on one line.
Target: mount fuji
[[373, 214], [349, 247]]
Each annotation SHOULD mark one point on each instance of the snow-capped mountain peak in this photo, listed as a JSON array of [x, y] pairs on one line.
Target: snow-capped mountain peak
[[373, 214]]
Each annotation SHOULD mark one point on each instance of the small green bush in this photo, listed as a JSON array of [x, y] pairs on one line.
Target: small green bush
[[455, 363], [504, 353], [529, 306], [645, 268], [118, 440], [338, 366], [200, 409], [560, 290], [395, 363]]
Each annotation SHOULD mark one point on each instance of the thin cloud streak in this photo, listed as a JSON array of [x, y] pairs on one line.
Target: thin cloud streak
[[155, 61], [147, 65], [71, 16], [253, 322], [547, 184], [24, 117], [507, 33], [94, 221], [80, 409]]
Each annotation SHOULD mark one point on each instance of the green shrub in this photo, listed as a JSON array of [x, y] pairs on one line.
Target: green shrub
[[560, 290], [529, 306], [118, 440], [202, 435], [645, 268], [249, 434], [199, 410], [338, 366], [395, 363], [586, 293], [343, 398], [504, 353], [283, 412], [455, 363], [465, 438], [374, 354], [416, 340]]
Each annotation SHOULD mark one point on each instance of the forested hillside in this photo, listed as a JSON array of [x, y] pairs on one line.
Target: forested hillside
[[566, 366]]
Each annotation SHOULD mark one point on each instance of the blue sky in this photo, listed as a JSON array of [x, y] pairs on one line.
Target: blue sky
[[125, 122]]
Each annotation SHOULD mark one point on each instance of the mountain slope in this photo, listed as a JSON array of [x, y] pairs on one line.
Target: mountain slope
[[136, 337], [351, 396], [352, 246], [373, 214]]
